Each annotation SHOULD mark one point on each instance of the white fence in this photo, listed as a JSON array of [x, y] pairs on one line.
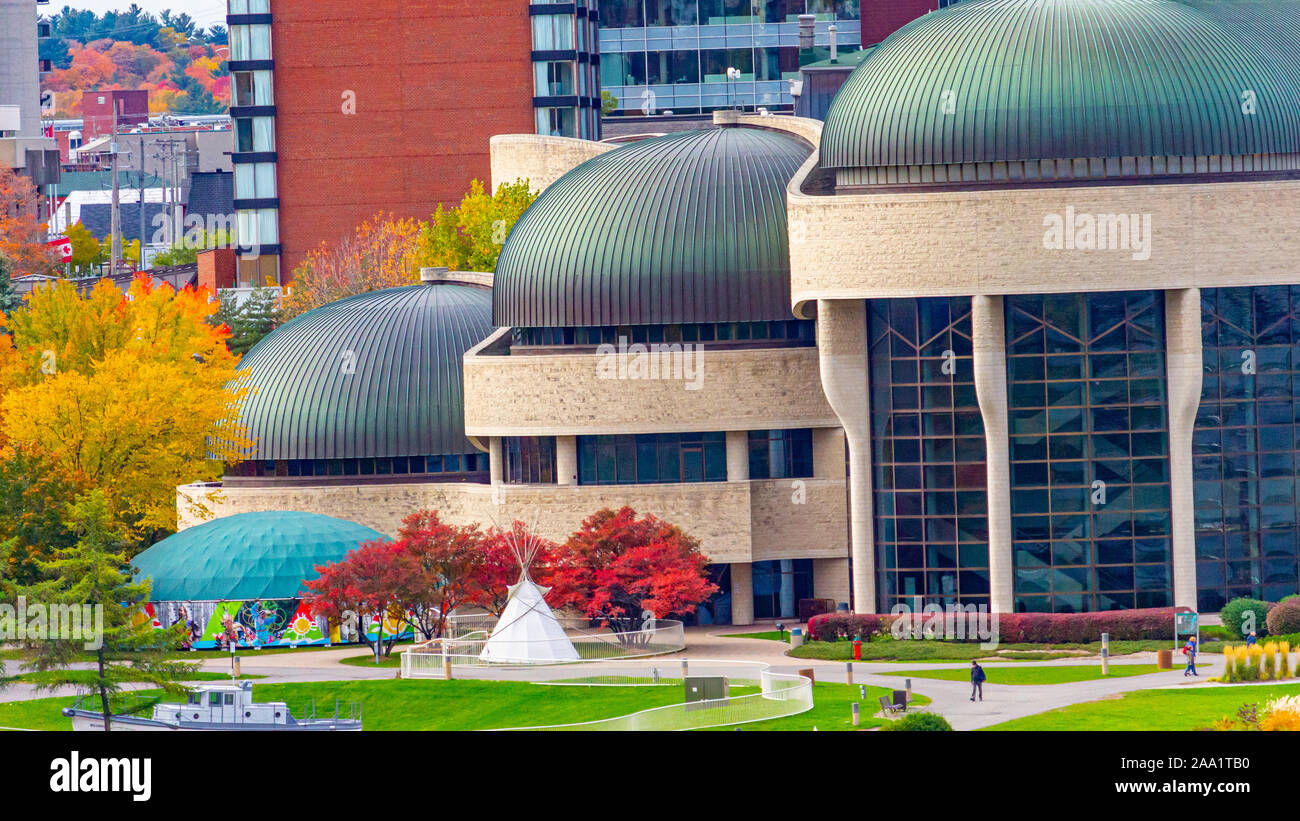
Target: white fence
[[778, 695], [469, 635]]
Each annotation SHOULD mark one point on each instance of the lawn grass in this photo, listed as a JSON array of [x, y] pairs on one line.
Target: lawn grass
[[770, 635], [87, 676], [368, 660], [1179, 709], [472, 705], [1027, 675], [890, 649]]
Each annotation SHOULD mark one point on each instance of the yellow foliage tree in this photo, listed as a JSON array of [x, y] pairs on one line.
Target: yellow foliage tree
[[382, 252], [132, 395], [469, 237]]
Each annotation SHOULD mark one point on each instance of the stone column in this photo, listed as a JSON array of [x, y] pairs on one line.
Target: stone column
[[496, 461], [742, 593], [843, 359], [737, 456], [1184, 369], [988, 338], [566, 460]]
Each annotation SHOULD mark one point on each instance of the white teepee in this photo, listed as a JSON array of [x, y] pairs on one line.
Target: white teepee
[[527, 632]]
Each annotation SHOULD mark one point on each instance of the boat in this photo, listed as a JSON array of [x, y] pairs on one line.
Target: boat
[[224, 706]]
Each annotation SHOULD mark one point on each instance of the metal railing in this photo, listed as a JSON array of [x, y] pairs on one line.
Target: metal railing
[[468, 638]]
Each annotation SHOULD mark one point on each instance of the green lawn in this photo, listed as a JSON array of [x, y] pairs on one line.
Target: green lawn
[[472, 705], [770, 635], [1036, 674], [1181, 709], [86, 676], [368, 660], [889, 649]]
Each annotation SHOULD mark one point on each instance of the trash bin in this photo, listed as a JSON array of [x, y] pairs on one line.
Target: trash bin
[[1165, 659], [796, 637]]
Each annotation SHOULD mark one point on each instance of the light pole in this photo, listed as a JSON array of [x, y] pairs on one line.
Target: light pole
[[733, 74]]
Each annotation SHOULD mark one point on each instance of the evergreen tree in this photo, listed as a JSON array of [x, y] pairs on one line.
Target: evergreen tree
[[250, 322], [95, 572], [9, 299]]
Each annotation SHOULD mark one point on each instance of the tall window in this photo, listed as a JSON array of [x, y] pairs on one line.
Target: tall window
[[250, 42], [1245, 447], [928, 454], [529, 459], [552, 32], [779, 585], [252, 88], [651, 458], [1089, 451], [780, 454]]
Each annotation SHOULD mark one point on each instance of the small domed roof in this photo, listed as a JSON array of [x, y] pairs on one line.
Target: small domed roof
[[373, 375], [1006, 80], [688, 227], [264, 555]]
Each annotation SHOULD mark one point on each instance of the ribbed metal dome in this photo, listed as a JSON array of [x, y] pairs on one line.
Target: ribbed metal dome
[[373, 375], [1006, 80], [688, 227], [264, 555]]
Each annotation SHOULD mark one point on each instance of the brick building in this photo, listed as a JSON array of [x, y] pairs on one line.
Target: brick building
[[343, 110]]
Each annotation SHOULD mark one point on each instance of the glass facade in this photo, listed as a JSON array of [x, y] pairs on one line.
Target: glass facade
[[652, 458], [672, 55], [453, 465], [1089, 451], [1245, 446], [796, 331], [927, 440]]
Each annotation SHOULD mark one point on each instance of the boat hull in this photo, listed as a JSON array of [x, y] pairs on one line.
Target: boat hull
[[89, 721]]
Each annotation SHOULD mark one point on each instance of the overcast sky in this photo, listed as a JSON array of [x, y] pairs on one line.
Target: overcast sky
[[204, 12]]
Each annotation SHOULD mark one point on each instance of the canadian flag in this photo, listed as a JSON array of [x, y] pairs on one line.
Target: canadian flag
[[63, 246]]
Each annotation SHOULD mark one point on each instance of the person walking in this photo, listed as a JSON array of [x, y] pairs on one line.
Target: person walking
[[1250, 639], [1189, 650], [976, 680]]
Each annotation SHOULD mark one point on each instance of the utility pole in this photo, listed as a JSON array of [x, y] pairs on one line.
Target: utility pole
[[140, 169], [115, 247]]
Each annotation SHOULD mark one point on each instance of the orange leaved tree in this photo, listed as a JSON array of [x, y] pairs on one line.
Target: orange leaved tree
[[382, 252], [22, 233]]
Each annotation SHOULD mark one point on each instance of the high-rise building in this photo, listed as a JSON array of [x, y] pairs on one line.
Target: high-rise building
[[22, 145], [343, 110], [658, 56]]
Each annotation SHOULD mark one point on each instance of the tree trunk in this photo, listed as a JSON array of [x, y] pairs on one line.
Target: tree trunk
[[103, 691]]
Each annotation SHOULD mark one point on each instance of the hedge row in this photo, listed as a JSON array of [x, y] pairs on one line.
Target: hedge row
[[1021, 628]]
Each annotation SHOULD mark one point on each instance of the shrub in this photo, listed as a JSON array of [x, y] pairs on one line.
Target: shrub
[[1071, 628], [1284, 668], [1269, 671], [1236, 613], [1284, 617], [1229, 664], [836, 626], [919, 721]]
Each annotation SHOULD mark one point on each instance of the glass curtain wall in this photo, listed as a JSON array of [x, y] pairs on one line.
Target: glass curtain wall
[[1089, 451]]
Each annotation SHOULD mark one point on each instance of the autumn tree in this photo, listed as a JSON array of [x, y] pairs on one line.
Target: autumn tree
[[616, 567], [132, 395], [381, 253], [469, 237], [87, 251], [442, 565], [366, 581], [22, 234]]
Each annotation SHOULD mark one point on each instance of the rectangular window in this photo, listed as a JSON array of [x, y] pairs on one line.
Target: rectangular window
[[250, 42], [529, 459], [652, 458], [252, 88], [255, 181], [552, 32], [780, 454]]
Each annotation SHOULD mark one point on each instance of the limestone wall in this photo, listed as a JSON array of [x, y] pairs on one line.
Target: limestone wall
[[539, 159]]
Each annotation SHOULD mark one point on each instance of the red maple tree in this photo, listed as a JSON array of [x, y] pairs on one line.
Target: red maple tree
[[367, 581], [500, 567], [615, 567], [22, 234]]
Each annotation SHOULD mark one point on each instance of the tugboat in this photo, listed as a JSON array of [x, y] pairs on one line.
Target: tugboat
[[225, 706]]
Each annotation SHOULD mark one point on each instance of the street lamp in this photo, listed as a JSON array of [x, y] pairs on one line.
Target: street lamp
[[733, 74]]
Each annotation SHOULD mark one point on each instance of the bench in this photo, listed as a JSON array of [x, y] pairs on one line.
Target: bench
[[887, 706]]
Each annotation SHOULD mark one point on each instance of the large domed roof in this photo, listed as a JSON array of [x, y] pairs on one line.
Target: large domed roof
[[373, 375], [688, 227], [1008, 80], [264, 555]]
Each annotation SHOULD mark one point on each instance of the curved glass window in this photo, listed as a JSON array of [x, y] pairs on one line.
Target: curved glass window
[[1244, 448], [1089, 451], [927, 439]]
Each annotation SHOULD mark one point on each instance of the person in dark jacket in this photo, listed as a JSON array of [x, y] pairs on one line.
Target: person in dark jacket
[[1189, 649], [976, 680]]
